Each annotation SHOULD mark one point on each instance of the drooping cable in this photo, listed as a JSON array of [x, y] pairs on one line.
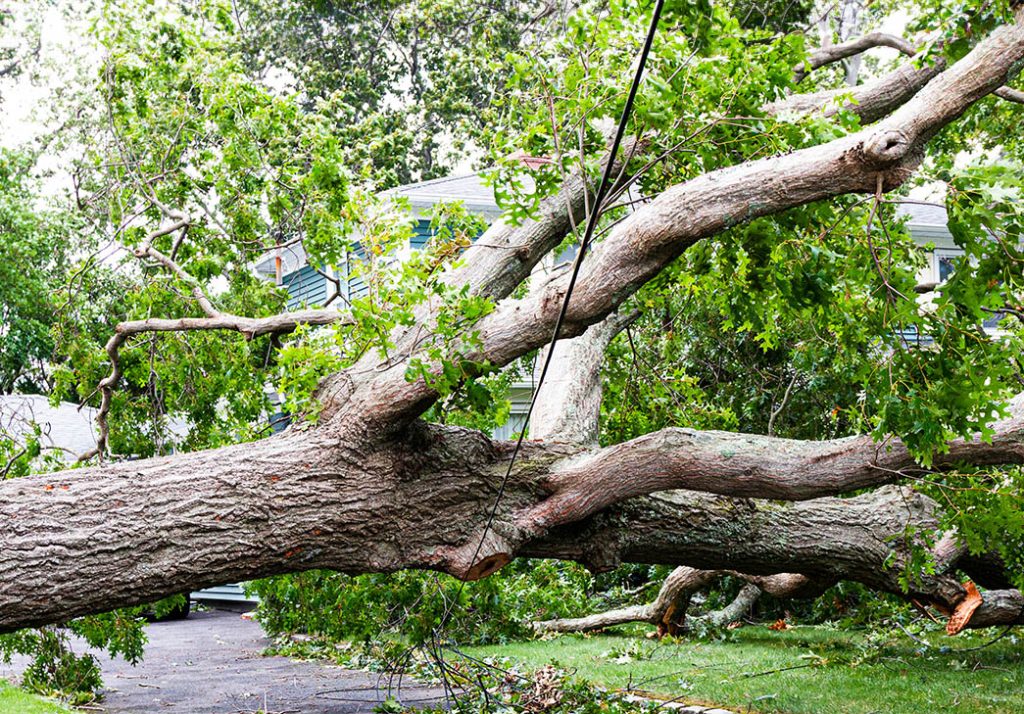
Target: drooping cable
[[588, 234]]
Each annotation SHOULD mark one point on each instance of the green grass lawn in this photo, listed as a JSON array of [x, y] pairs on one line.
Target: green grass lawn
[[804, 670], [18, 701]]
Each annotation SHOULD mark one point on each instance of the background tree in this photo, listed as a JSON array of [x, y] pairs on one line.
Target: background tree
[[421, 76]]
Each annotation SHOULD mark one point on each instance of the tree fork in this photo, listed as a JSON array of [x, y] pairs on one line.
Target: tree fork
[[90, 540]]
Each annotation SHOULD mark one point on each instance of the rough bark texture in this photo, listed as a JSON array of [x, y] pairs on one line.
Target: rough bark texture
[[93, 539], [372, 489], [828, 539]]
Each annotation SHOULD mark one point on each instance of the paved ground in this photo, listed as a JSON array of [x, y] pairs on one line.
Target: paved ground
[[210, 663]]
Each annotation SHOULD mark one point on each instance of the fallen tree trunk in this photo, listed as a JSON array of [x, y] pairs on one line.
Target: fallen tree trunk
[[94, 539], [372, 489]]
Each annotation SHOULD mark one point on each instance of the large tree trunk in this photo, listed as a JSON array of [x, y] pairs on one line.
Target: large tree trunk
[[93, 539], [371, 489]]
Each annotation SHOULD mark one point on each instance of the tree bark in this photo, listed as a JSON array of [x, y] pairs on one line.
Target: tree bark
[[89, 540], [568, 409], [371, 489]]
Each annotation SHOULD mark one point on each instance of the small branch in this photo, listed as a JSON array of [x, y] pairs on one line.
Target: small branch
[[782, 405], [835, 53], [182, 223], [249, 327], [668, 609], [1010, 94]]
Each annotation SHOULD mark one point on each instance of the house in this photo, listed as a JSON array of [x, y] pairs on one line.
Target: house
[[928, 225], [65, 429]]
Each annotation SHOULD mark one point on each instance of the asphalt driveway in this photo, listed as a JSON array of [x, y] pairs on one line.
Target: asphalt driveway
[[210, 663]]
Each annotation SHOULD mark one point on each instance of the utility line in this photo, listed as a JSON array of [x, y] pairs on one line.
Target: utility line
[[595, 213]]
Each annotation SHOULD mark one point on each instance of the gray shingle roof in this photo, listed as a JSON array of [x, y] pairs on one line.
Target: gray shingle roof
[[924, 214], [469, 188], [64, 427]]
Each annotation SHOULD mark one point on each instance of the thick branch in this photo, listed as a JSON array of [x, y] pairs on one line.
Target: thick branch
[[88, 540], [748, 465], [870, 102], [568, 404], [827, 540], [643, 244]]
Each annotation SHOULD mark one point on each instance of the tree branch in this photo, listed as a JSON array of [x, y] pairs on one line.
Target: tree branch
[[745, 465], [669, 609], [863, 539], [1010, 94], [568, 408], [835, 53]]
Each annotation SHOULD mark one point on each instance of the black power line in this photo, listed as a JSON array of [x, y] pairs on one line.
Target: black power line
[[595, 213]]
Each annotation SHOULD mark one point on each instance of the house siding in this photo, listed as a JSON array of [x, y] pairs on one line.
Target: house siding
[[306, 287]]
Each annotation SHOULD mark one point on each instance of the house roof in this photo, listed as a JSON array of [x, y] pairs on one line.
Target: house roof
[[924, 214], [927, 221], [293, 257], [468, 188], [471, 189], [64, 426]]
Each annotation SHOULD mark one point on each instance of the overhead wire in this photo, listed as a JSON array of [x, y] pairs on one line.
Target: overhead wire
[[594, 215]]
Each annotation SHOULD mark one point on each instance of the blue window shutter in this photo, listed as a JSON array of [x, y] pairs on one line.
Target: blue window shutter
[[357, 288], [421, 235]]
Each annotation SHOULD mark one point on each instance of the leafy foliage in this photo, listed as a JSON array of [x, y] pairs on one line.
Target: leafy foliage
[[416, 76], [369, 607], [34, 260]]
